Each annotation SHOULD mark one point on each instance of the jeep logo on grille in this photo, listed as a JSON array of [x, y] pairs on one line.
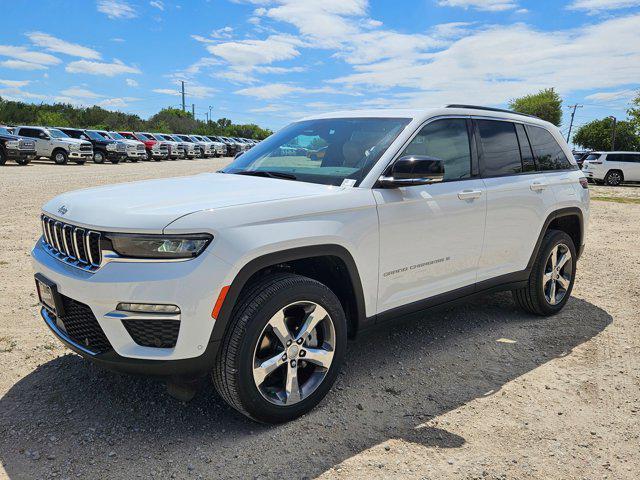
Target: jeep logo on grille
[[62, 210]]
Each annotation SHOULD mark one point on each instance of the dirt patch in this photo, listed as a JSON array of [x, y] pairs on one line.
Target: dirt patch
[[482, 390]]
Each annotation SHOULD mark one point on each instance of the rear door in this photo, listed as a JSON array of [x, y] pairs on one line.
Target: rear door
[[627, 163], [42, 144], [431, 235], [518, 197]]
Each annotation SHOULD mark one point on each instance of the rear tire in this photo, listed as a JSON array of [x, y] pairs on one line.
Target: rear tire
[[3, 157], [292, 384], [550, 281], [614, 178], [60, 157], [115, 161], [19, 161]]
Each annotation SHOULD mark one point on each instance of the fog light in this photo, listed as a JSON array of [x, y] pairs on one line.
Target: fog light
[[147, 308]]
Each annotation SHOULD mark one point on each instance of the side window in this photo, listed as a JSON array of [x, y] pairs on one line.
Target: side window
[[528, 162], [28, 132], [500, 148], [447, 140], [621, 157], [549, 155]]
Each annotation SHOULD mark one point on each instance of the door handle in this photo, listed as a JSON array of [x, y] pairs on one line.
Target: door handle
[[469, 194], [538, 186]]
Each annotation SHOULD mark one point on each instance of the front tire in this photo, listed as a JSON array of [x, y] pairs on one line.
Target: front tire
[[283, 348], [60, 157], [552, 276], [98, 157], [20, 161]]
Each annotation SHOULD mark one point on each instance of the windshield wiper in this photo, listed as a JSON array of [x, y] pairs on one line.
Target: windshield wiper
[[267, 173]]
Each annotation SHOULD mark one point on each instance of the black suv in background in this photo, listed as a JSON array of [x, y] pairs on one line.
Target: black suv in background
[[103, 148], [12, 147]]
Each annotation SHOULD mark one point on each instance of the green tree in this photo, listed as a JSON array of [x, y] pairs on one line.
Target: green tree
[[52, 119], [634, 113], [596, 135], [545, 104]]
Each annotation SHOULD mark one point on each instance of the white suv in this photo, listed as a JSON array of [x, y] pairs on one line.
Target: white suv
[[258, 274], [612, 168]]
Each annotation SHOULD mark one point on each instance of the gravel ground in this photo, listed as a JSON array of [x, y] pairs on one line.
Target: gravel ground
[[477, 391]]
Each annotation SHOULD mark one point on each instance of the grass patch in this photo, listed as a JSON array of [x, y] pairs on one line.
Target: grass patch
[[598, 198]]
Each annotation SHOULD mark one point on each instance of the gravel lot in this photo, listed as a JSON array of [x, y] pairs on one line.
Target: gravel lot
[[477, 391]]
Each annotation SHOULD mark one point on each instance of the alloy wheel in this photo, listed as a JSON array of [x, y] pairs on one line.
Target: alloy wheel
[[558, 273], [614, 179], [294, 353]]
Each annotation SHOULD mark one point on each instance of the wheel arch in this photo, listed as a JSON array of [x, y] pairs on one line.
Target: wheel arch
[[330, 264], [569, 220]]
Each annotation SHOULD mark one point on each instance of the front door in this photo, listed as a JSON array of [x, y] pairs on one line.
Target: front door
[[431, 235]]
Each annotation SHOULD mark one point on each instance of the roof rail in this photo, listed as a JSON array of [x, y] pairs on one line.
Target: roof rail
[[490, 109]]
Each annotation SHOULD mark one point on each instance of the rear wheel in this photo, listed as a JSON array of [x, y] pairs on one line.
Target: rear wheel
[[60, 157], [20, 161], [115, 160], [613, 178], [552, 276], [283, 348]]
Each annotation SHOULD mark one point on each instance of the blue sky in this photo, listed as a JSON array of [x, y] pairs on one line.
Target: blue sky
[[272, 61]]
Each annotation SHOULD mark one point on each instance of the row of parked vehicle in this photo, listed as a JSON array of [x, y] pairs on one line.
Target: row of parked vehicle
[[61, 145], [609, 168]]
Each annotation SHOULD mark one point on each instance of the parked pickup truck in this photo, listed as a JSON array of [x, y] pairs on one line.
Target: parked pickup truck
[[190, 149], [19, 149], [58, 146], [155, 150], [103, 148], [176, 150], [135, 148]]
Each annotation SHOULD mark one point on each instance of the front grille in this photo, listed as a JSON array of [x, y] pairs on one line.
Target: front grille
[[86, 147], [80, 325], [121, 147], [26, 145], [75, 245], [140, 147], [153, 333]]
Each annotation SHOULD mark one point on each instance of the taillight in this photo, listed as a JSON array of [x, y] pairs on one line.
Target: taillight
[[584, 182]]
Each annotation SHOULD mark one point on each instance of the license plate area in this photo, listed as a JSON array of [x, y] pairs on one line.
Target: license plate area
[[48, 295]]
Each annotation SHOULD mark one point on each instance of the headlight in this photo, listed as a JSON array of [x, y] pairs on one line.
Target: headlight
[[13, 144], [111, 147], [74, 146], [158, 246]]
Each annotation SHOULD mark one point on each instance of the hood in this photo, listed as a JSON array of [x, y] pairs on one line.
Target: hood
[[149, 206], [76, 141]]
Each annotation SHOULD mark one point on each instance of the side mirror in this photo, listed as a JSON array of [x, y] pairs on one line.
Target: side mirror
[[412, 170], [43, 136]]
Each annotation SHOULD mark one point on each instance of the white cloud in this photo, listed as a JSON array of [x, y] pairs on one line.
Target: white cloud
[[224, 32], [116, 9], [118, 40], [20, 65], [15, 83], [595, 6], [54, 44], [493, 65], [191, 90], [257, 52], [131, 82], [484, 5], [268, 108], [157, 4], [120, 102], [277, 90], [80, 92], [612, 96], [17, 94], [101, 68], [25, 55]]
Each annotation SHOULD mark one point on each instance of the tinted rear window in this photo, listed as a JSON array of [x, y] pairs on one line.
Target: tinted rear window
[[549, 155], [623, 157], [500, 148]]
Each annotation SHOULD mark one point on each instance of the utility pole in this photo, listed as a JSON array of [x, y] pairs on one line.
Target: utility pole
[[613, 132], [573, 114], [209, 117], [183, 104], [193, 110], [207, 114]]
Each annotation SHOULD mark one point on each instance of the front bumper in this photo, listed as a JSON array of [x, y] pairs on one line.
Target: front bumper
[[82, 155], [192, 285], [111, 155], [137, 154]]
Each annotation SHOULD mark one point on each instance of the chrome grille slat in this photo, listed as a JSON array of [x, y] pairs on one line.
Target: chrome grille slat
[[73, 245]]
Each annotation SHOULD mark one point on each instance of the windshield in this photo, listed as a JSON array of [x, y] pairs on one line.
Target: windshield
[[326, 151], [4, 131], [194, 138], [55, 133], [94, 135], [593, 156], [143, 137], [185, 138], [116, 136]]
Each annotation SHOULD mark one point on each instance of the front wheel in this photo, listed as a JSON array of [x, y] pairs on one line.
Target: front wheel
[[283, 348], [60, 157], [98, 157], [613, 178], [21, 161], [552, 276]]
